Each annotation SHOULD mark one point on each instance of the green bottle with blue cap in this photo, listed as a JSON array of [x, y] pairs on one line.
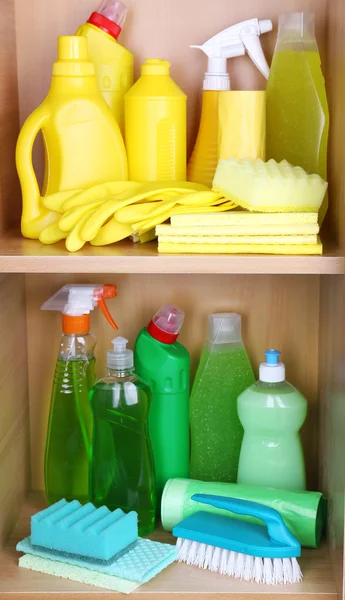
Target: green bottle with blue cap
[[272, 412]]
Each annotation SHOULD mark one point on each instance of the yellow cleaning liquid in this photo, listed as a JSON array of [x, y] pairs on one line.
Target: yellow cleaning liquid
[[155, 125], [113, 63], [83, 142], [297, 110]]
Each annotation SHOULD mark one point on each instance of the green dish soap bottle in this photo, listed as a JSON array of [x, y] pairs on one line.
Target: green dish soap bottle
[[272, 412], [224, 372], [297, 108], [66, 463], [121, 460], [165, 364]]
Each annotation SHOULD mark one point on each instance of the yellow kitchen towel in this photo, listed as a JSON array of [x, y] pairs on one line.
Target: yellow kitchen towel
[[240, 249], [239, 239], [242, 217], [307, 229]]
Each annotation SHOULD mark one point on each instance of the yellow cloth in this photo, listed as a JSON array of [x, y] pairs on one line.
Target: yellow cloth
[[240, 249], [209, 240], [243, 230]]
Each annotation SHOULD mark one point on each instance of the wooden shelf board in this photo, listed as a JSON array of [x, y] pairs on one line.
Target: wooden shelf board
[[18, 255], [174, 583]]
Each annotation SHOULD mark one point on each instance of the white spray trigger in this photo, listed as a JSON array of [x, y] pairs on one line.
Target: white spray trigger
[[234, 41]]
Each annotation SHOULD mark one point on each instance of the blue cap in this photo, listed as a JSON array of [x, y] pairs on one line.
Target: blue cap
[[272, 357]]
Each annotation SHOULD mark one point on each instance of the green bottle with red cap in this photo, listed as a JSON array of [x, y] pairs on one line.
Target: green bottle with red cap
[[165, 365]]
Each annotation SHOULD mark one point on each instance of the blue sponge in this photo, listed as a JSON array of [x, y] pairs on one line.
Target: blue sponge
[[86, 530]]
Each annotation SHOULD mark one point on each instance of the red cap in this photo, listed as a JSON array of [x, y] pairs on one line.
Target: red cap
[[160, 335], [105, 24], [166, 324]]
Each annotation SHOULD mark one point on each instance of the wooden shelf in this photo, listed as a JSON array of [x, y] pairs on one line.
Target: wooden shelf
[[18, 255], [175, 583]]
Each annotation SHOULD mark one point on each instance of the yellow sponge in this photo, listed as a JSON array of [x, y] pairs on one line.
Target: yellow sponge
[[269, 186], [241, 217], [239, 230], [239, 239], [239, 249]]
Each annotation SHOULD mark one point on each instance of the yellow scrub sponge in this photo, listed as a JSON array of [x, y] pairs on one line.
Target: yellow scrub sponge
[[269, 186], [168, 248]]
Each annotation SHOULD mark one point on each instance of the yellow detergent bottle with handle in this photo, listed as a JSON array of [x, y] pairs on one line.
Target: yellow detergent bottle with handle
[[155, 125], [82, 140], [113, 62], [233, 123]]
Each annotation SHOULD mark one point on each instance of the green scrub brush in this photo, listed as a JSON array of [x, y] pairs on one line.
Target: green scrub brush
[[248, 551]]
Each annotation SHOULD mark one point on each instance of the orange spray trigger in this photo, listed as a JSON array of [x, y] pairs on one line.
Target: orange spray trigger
[[105, 310]]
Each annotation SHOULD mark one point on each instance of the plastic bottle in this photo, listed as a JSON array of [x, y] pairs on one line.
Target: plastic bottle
[[121, 467], [224, 372], [272, 412], [155, 125], [66, 463], [297, 109], [83, 142], [165, 364], [114, 64], [233, 123]]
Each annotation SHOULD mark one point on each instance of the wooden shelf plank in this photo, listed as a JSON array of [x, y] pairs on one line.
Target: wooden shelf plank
[[18, 255], [177, 582]]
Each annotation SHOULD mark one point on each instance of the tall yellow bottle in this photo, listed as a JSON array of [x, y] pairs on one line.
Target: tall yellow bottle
[[83, 142], [114, 64], [155, 125], [233, 123]]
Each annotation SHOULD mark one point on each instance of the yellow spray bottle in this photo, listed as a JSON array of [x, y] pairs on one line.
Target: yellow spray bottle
[[83, 142], [114, 64], [233, 123]]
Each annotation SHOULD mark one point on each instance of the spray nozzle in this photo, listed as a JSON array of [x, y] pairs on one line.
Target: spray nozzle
[[234, 41], [120, 358], [78, 300]]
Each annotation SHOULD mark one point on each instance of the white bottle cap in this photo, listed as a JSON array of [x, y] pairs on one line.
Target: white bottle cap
[[120, 359], [272, 371]]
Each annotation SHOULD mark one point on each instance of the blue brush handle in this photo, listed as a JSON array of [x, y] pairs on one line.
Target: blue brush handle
[[276, 527]]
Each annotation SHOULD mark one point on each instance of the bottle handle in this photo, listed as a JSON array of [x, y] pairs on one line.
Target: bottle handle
[[26, 173], [276, 528]]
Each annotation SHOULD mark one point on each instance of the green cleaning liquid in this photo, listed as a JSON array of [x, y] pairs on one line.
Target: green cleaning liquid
[[69, 431], [121, 459], [224, 373], [297, 109]]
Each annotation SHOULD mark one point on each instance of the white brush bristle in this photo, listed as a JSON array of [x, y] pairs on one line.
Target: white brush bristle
[[271, 571]]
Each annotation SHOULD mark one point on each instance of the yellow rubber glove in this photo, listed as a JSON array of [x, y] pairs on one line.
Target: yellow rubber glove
[[52, 234], [102, 190], [72, 217], [57, 200]]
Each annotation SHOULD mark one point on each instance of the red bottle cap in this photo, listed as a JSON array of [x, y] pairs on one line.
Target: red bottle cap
[[166, 324], [105, 24]]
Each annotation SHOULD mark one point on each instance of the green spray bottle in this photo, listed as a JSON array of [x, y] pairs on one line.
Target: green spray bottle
[[272, 412], [165, 365], [66, 465]]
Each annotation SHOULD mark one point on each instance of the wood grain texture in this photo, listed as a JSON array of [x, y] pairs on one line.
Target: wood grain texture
[[154, 29], [10, 205], [14, 405], [18, 255], [275, 310], [332, 414], [176, 582]]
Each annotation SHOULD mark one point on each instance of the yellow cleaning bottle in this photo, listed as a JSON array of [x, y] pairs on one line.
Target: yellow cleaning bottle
[[297, 109], [155, 125], [233, 123], [114, 64], [83, 142]]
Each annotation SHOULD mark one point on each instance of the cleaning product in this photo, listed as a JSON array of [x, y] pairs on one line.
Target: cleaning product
[[269, 187], [304, 513], [113, 63], [121, 461], [240, 230], [155, 125], [251, 552], [287, 249], [83, 142], [297, 110], [238, 239], [244, 219], [232, 123], [66, 463], [223, 373], [272, 412], [165, 364], [87, 531]]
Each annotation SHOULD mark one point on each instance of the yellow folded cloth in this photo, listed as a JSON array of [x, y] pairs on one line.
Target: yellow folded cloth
[[243, 217], [239, 239], [245, 230], [289, 249]]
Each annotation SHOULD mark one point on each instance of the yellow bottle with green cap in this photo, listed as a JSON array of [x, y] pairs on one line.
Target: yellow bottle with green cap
[[155, 125], [82, 140]]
